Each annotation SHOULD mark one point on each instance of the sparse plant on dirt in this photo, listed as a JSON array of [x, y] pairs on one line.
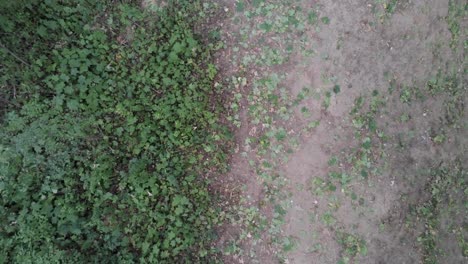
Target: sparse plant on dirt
[[352, 247]]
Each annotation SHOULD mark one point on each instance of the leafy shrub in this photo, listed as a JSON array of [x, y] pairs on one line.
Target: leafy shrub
[[107, 126]]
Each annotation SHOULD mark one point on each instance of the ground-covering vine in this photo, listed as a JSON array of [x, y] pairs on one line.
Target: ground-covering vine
[[108, 126]]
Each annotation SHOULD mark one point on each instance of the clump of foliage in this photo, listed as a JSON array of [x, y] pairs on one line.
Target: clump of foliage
[[352, 246], [456, 11], [452, 88], [107, 125], [442, 214]]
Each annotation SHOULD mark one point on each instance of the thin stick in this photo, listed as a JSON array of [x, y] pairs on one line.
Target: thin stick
[[13, 54], [9, 102]]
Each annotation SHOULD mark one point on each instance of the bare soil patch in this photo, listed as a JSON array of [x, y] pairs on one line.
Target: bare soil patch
[[353, 190]]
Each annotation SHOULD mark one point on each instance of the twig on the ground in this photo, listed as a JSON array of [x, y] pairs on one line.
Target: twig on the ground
[[14, 55], [9, 102]]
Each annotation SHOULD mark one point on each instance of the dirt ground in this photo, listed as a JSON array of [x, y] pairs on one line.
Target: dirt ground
[[346, 201]]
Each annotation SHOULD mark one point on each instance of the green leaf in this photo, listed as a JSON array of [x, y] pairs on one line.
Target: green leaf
[[240, 6], [73, 105], [336, 89], [325, 20]]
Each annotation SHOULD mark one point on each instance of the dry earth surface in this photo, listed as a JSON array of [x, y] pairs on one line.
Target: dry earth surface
[[339, 160]]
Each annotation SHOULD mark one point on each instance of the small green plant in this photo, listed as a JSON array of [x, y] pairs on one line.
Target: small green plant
[[439, 139], [326, 102], [289, 243], [390, 6], [325, 20], [328, 219], [352, 246], [333, 161], [313, 124], [319, 186], [312, 17], [404, 118], [384, 9], [406, 95], [336, 89]]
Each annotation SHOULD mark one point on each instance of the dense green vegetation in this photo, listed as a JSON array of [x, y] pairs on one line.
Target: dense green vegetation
[[107, 127]]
